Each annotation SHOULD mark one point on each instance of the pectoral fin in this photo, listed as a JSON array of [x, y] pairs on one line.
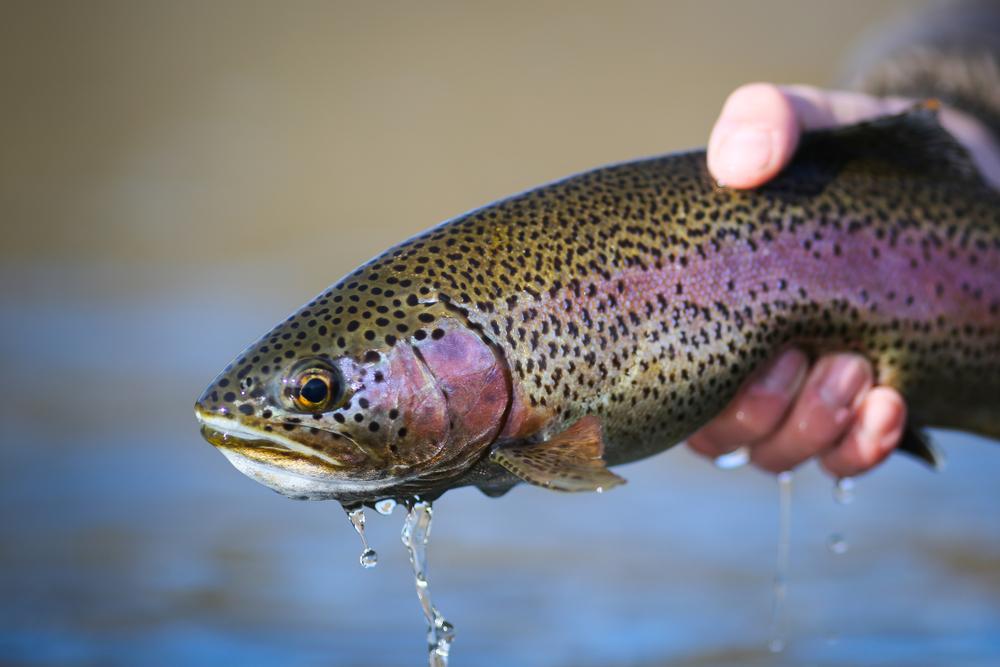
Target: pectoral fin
[[568, 461]]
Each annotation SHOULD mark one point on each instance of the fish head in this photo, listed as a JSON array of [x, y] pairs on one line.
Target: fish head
[[356, 406]]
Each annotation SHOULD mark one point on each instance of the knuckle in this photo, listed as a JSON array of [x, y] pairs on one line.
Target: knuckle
[[756, 423]]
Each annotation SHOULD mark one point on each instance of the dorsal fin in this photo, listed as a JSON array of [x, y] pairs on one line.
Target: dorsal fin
[[911, 141]]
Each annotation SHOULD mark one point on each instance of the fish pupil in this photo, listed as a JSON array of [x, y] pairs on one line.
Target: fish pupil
[[314, 391]]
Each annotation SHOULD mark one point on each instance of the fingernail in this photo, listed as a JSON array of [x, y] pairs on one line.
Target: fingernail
[[784, 375], [844, 379], [745, 150]]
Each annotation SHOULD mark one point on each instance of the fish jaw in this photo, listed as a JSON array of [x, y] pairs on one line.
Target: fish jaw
[[280, 463]]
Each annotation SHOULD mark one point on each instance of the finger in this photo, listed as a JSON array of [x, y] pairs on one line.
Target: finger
[[757, 409], [979, 141], [821, 414], [754, 137], [818, 109], [875, 433]]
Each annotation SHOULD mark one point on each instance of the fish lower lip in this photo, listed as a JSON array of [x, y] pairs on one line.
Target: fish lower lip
[[225, 439]]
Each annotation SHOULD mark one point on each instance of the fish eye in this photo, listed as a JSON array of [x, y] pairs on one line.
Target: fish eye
[[317, 389]]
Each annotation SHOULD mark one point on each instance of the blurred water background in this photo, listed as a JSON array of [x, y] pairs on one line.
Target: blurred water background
[[177, 176]]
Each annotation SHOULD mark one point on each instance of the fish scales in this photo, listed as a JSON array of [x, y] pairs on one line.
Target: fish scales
[[639, 296]]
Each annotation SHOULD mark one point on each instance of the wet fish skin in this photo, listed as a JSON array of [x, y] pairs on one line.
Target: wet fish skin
[[641, 294]]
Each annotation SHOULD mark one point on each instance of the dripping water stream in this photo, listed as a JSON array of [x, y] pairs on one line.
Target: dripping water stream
[[843, 491], [416, 532], [415, 536], [843, 494], [779, 615], [836, 543], [368, 558]]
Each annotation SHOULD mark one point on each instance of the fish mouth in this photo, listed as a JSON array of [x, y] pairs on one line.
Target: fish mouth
[[280, 463], [230, 434]]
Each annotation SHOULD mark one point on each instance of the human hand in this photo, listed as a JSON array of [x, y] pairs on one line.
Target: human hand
[[789, 412], [760, 124]]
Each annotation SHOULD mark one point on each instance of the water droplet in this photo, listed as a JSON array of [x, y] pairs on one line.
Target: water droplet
[[776, 645], [368, 556], [385, 506], [600, 489], [735, 459], [843, 491], [416, 533], [837, 544]]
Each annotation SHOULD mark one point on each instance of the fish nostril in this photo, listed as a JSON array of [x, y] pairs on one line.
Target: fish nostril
[[208, 405]]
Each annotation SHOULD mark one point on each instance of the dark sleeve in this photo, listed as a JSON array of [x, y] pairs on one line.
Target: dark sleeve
[[950, 51]]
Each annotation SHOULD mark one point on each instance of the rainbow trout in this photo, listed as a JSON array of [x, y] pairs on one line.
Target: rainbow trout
[[603, 318]]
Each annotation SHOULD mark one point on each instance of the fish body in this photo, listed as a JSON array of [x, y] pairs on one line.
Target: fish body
[[605, 317]]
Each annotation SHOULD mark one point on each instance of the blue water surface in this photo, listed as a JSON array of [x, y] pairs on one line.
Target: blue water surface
[[127, 540]]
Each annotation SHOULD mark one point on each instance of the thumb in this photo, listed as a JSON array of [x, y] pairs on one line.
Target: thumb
[[754, 137]]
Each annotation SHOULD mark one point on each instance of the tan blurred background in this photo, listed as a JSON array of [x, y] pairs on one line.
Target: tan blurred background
[[145, 140]]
